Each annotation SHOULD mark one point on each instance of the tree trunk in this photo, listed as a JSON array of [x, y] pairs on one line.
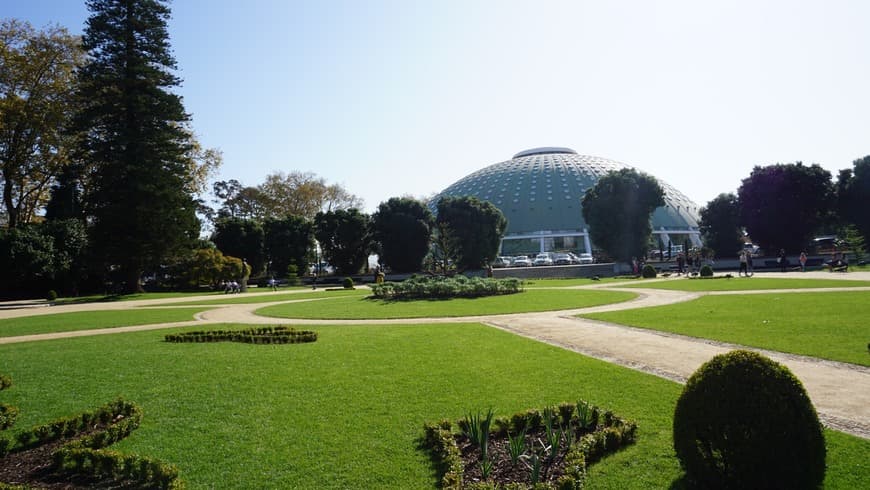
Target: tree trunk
[[132, 285]]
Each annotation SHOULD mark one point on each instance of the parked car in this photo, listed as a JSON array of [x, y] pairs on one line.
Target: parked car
[[543, 259], [585, 258], [521, 261], [501, 262], [562, 259]]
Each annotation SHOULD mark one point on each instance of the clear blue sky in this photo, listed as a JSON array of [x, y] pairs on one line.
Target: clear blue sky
[[405, 97]]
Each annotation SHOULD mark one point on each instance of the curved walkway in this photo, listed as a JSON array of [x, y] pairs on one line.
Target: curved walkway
[[840, 391]]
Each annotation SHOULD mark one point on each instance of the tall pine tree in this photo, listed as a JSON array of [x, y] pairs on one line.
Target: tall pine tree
[[134, 138]]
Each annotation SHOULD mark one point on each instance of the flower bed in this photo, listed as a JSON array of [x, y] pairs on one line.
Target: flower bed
[[438, 287], [548, 448]]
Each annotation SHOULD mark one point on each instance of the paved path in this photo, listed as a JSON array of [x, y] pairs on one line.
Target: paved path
[[840, 392]]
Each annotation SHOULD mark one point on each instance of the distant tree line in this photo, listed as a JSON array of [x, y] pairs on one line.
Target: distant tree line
[[783, 206]]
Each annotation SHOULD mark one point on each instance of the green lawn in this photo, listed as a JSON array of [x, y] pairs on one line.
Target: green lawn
[[826, 325], [84, 320], [365, 307], [745, 284], [101, 298], [346, 411], [237, 299], [561, 283]]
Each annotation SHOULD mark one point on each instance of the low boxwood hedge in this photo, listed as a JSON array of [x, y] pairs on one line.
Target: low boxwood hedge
[[259, 335]]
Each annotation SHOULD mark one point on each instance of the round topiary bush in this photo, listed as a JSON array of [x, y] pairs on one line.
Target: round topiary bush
[[648, 271], [744, 421], [51, 295], [347, 283], [706, 271]]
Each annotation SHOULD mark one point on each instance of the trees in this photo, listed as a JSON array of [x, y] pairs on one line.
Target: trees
[[402, 229], [720, 225], [344, 238], [782, 205], [853, 192], [280, 195], [470, 231], [618, 209], [135, 135], [241, 238], [287, 241], [36, 82]]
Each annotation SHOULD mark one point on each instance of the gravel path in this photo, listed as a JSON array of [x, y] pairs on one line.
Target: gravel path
[[840, 392]]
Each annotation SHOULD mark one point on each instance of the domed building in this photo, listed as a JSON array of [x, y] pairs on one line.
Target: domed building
[[540, 190]]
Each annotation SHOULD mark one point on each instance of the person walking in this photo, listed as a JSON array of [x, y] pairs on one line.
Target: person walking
[[743, 263], [803, 261]]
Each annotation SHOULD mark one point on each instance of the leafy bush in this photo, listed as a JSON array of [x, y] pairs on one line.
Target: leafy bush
[[438, 287], [293, 275], [51, 295], [347, 283], [648, 271], [744, 421], [706, 271]]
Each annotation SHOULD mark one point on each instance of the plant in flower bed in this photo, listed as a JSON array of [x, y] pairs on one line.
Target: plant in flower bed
[[259, 335], [70, 453], [440, 287], [540, 449]]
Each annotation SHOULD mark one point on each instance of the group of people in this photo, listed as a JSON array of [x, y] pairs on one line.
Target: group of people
[[231, 287], [689, 263]]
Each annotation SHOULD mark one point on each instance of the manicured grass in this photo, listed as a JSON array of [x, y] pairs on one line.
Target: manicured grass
[[100, 298], [745, 284], [826, 325], [346, 411], [366, 307], [238, 299], [561, 283], [85, 320]]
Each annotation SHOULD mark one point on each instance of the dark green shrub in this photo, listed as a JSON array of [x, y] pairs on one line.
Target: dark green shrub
[[293, 275], [706, 271], [347, 283], [648, 271], [744, 421], [51, 295]]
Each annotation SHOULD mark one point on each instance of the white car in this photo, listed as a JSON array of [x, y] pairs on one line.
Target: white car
[[562, 259], [543, 259], [521, 261], [585, 258]]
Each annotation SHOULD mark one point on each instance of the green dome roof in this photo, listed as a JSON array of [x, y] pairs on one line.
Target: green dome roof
[[540, 190]]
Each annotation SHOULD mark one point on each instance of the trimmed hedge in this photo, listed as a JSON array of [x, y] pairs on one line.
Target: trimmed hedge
[[706, 271], [597, 434], [745, 421], [439, 287], [86, 455], [261, 335], [648, 272]]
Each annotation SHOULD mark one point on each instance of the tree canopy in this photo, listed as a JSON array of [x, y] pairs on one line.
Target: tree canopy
[[344, 238], [618, 210], [402, 230], [281, 195], [243, 239], [782, 205], [720, 225], [288, 241], [853, 193], [134, 133], [36, 84], [471, 230]]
